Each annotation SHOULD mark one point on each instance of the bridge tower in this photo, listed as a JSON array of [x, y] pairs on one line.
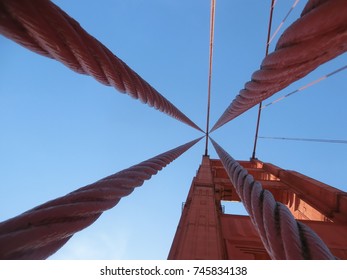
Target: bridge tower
[[205, 232]]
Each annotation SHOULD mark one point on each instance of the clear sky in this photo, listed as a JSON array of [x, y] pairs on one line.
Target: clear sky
[[61, 130]]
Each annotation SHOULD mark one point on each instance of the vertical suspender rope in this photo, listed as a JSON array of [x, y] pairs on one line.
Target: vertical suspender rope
[[304, 45], [212, 20], [282, 22], [266, 53]]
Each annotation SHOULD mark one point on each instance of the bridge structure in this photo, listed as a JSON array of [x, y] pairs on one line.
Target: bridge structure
[[291, 216]]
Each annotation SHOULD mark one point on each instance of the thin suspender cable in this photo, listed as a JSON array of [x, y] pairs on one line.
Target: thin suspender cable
[[306, 86], [307, 139], [282, 22], [266, 53], [213, 10], [304, 45]]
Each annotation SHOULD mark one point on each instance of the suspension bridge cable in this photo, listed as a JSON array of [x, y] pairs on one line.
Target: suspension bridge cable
[[307, 139], [41, 231], [44, 28], [212, 21], [266, 53], [283, 21], [306, 86], [283, 237], [303, 46]]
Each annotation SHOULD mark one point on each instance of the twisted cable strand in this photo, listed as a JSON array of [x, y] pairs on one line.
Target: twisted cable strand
[[283, 237], [44, 28], [41, 231], [306, 44]]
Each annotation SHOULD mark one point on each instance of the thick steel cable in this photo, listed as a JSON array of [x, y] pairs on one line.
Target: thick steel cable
[[306, 44], [44, 28], [334, 141], [41, 231], [212, 20], [266, 53], [306, 86], [283, 237]]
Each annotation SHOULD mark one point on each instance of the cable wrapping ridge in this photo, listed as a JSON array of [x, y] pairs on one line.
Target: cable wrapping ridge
[[41, 231], [303, 46], [44, 28], [283, 237]]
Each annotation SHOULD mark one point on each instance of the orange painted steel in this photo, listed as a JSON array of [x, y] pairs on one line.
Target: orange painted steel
[[41, 231], [198, 234], [44, 28], [283, 237], [306, 44]]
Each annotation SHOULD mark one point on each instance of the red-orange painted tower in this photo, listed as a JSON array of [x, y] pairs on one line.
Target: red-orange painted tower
[[291, 216], [205, 232]]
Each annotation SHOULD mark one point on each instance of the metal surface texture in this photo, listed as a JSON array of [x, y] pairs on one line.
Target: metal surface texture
[[303, 46], [44, 28], [41, 231], [283, 237]]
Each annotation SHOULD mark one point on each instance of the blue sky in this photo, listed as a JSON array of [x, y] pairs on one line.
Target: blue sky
[[61, 130]]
